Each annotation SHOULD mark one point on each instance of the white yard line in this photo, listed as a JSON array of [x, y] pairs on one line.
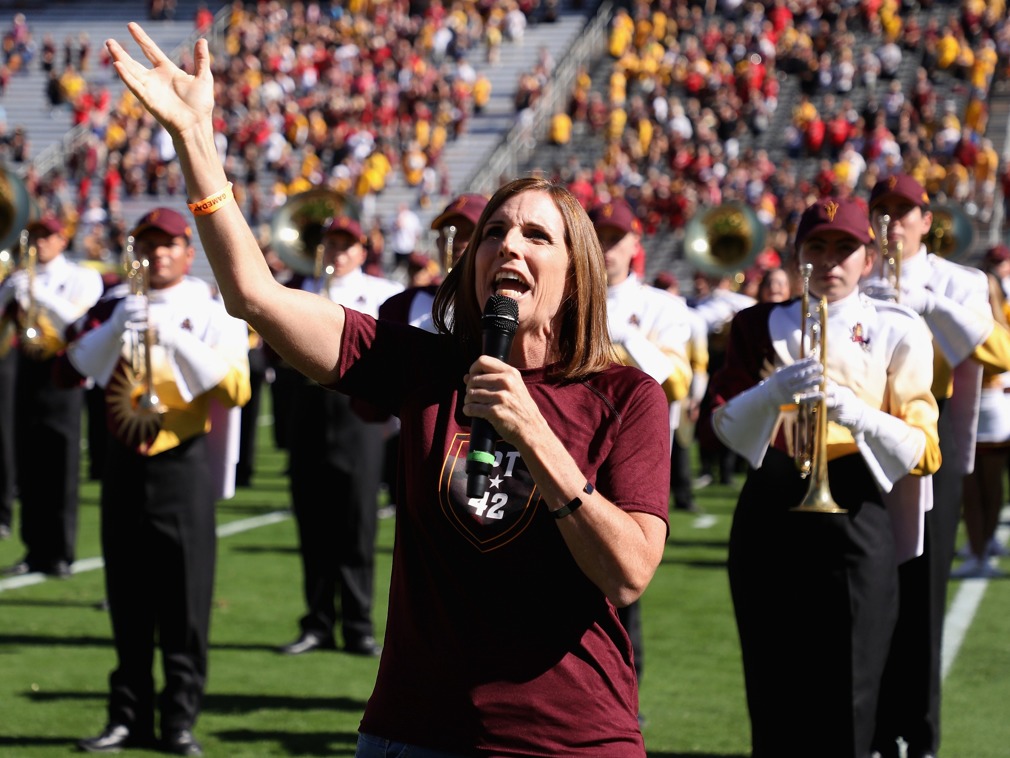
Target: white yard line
[[959, 617], [92, 564], [964, 606]]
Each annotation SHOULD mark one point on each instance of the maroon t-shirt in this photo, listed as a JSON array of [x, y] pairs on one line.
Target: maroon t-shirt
[[496, 641]]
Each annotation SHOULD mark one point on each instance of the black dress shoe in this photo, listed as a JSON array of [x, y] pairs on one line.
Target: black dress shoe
[[308, 642], [60, 569], [363, 646], [181, 742], [113, 739], [19, 569]]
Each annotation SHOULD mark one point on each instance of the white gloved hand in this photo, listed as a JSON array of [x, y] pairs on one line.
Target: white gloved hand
[[131, 309], [21, 286], [845, 408], [879, 289], [796, 380], [7, 291], [170, 336], [919, 299]]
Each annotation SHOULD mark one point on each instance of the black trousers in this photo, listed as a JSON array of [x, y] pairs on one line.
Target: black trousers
[[336, 467], [159, 544], [246, 465], [815, 599], [47, 433], [680, 476], [8, 470], [910, 692]]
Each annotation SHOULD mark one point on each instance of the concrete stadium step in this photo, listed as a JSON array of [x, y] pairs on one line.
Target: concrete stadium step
[[25, 102], [467, 154]]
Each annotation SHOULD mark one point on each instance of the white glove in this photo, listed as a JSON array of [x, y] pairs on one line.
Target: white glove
[[879, 289], [198, 367], [131, 309], [799, 380], [889, 445], [845, 408], [6, 292], [61, 311], [919, 299], [19, 282]]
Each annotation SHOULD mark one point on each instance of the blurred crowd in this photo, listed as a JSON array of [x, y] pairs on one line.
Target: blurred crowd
[[686, 106]]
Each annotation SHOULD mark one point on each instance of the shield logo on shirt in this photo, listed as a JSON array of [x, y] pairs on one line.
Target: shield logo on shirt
[[507, 507]]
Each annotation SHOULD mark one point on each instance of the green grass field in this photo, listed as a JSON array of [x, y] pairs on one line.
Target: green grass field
[[56, 652]]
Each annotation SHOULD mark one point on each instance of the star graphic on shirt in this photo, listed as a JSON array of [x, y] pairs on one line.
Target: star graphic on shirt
[[495, 481]]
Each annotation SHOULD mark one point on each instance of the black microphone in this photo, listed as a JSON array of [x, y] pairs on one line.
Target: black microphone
[[499, 323]]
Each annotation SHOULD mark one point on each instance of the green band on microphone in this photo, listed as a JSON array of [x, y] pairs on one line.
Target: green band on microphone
[[480, 456]]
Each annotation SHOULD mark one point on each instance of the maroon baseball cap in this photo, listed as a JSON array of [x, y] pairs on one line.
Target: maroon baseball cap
[[997, 254], [44, 226], [467, 205], [835, 214], [616, 213], [164, 220], [347, 225], [900, 186]]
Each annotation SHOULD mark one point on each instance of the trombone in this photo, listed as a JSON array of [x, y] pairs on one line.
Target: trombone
[[811, 450]]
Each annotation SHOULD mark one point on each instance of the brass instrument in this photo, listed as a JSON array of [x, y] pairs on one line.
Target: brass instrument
[[297, 228], [724, 240], [135, 407], [804, 440], [16, 209], [30, 335], [818, 498], [890, 260], [447, 256], [952, 233]]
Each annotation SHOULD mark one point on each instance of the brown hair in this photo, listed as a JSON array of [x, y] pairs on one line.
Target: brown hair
[[583, 337]]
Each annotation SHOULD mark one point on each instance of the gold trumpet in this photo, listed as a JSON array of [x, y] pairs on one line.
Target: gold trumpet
[[447, 254], [38, 338], [803, 447], [135, 408], [30, 336], [814, 425], [890, 261]]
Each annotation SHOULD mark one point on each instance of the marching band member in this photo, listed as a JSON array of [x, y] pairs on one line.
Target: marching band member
[[336, 467], [650, 330], [158, 486], [455, 225], [47, 418], [954, 302], [815, 594]]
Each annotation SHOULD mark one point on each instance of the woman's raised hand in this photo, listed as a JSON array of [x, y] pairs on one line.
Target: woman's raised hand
[[180, 101]]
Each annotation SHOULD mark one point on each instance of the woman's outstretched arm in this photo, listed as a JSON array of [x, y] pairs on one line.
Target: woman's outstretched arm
[[303, 328]]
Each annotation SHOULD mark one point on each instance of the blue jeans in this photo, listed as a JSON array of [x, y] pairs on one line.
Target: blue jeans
[[370, 746]]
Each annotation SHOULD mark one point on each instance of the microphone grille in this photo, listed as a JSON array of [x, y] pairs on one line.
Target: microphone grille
[[503, 311]]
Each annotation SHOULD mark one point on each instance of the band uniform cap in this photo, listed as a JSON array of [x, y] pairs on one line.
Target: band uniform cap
[[44, 226], [997, 254], [347, 225], [900, 186], [164, 220], [468, 206], [665, 279], [834, 214], [615, 213]]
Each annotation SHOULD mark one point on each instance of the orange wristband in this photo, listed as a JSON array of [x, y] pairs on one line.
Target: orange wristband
[[212, 203]]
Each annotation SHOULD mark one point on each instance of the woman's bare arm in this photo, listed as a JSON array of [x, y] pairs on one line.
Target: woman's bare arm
[[303, 328]]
